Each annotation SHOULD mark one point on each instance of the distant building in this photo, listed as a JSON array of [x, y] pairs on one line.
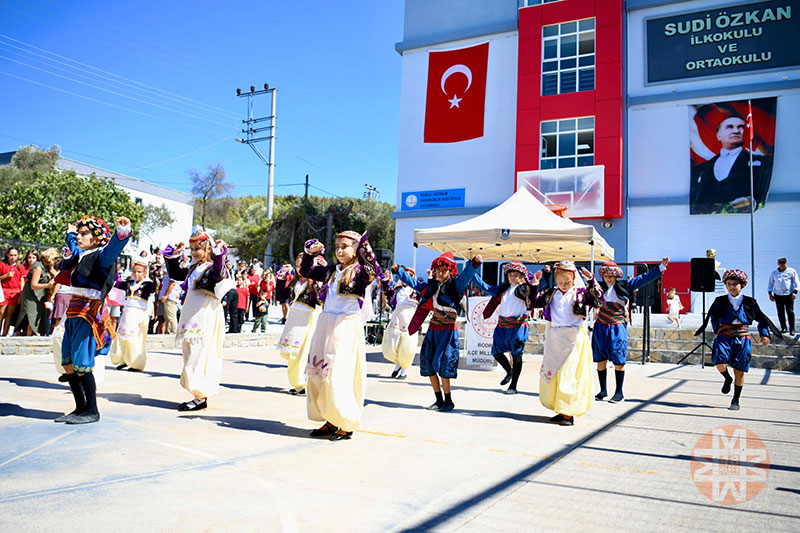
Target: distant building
[[144, 193]]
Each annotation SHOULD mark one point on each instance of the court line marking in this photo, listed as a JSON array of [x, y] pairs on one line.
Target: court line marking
[[48, 443]]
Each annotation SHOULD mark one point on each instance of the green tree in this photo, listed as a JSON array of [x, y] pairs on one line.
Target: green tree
[[40, 209], [208, 186], [26, 162]]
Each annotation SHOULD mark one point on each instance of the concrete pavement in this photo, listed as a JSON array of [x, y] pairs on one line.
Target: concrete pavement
[[494, 464]]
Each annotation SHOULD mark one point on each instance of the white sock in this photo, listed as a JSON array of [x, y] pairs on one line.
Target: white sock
[[396, 367], [402, 372]]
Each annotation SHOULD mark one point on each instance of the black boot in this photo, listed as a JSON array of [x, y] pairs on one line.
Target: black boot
[[448, 403], [726, 387], [620, 378], [502, 360], [737, 391], [90, 414], [77, 392], [515, 372], [603, 392], [439, 402]]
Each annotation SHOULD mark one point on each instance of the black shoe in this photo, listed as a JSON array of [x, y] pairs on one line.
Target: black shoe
[[434, 407], [726, 387], [506, 380], [131, 369], [121, 366], [783, 330], [395, 372], [557, 418], [324, 431], [567, 421], [83, 419], [618, 398], [600, 396], [63, 378], [733, 407], [401, 376], [293, 392], [447, 407], [341, 436], [193, 405], [64, 418], [283, 321], [510, 391]]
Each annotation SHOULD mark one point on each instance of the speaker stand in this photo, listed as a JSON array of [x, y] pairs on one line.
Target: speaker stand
[[703, 344]]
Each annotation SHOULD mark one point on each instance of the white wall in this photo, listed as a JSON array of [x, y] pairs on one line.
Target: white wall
[[483, 166], [180, 230]]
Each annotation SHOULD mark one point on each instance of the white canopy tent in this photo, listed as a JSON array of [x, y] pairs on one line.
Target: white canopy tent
[[522, 229]]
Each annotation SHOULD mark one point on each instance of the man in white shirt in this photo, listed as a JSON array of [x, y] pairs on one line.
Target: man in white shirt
[[782, 287], [722, 184]]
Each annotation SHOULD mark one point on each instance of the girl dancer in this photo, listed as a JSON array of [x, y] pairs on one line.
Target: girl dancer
[[337, 368], [513, 301], [565, 384], [201, 329], [441, 294], [675, 307], [731, 316], [128, 349], [295, 340], [398, 345], [94, 253]]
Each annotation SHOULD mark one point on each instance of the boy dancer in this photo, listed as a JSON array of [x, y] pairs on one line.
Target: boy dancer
[[441, 294], [86, 330], [610, 335], [513, 300], [731, 316]]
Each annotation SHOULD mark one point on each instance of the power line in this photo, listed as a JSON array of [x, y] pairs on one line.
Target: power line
[[190, 153], [136, 85], [106, 103], [199, 117]]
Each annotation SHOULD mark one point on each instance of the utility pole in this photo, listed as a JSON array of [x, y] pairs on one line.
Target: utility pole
[[371, 193], [306, 187], [254, 135]]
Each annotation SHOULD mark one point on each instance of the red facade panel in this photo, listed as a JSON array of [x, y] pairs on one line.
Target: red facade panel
[[605, 103]]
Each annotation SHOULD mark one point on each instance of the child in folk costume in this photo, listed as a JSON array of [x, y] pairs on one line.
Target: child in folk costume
[[398, 345], [731, 316], [513, 301], [295, 340], [128, 349], [201, 329], [565, 383], [441, 294], [610, 335], [337, 367], [94, 253]]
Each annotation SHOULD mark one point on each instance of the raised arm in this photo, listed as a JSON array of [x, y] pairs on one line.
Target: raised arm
[[109, 253], [406, 278], [491, 290], [219, 255], [308, 268], [466, 276], [172, 258]]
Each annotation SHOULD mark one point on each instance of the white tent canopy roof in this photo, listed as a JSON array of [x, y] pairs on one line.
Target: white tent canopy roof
[[521, 228]]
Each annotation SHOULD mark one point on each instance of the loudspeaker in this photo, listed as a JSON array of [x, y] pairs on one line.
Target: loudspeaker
[[384, 257], [702, 279]]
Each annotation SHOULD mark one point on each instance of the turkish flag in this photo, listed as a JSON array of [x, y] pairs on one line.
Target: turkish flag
[[455, 101]]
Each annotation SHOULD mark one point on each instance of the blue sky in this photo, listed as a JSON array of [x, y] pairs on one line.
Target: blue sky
[[333, 63]]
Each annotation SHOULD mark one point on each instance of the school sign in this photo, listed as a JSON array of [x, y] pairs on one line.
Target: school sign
[[722, 41]]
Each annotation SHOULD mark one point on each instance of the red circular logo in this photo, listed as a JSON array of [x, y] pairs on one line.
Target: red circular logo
[[484, 326], [730, 465]]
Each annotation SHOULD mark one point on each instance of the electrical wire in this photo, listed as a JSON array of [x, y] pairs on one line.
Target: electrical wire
[[136, 85]]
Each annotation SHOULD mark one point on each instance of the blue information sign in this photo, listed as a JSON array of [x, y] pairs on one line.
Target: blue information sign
[[432, 199]]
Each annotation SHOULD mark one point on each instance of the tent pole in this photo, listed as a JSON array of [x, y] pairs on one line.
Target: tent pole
[[414, 266], [592, 243]]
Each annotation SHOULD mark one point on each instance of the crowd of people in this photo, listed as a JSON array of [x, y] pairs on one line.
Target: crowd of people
[[325, 308]]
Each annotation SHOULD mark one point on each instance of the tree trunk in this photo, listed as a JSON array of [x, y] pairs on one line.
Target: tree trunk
[[291, 242]]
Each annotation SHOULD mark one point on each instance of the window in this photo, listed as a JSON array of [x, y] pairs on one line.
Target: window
[[567, 143], [528, 3], [568, 57]]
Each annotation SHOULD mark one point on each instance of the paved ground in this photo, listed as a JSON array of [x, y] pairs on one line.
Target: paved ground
[[494, 464]]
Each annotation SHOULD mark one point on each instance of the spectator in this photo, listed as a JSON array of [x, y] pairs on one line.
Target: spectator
[[782, 287], [253, 281], [243, 301], [63, 294], [169, 298], [32, 319], [282, 294], [30, 259], [267, 284], [230, 309], [11, 282], [260, 312]]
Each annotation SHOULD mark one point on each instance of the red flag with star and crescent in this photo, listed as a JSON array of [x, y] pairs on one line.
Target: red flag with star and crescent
[[455, 101]]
